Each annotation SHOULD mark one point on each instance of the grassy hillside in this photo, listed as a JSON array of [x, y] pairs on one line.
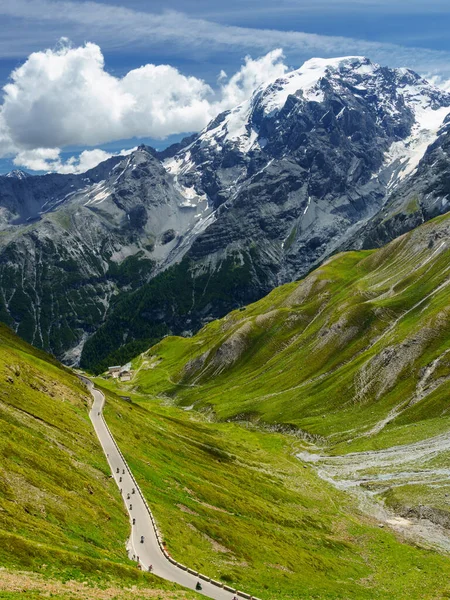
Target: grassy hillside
[[362, 335], [61, 516], [235, 503], [355, 358]]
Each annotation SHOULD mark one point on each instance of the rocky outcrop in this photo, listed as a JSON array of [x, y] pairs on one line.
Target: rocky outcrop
[[418, 197]]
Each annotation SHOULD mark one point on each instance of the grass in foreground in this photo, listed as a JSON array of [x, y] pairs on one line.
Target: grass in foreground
[[15, 585]]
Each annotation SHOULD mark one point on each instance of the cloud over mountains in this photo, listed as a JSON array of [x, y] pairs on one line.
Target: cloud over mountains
[[65, 96]]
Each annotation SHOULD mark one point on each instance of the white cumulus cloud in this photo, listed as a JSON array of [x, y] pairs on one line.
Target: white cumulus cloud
[[251, 75], [65, 96]]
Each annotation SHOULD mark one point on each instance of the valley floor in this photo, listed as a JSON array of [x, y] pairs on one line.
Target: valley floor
[[373, 475], [236, 503]]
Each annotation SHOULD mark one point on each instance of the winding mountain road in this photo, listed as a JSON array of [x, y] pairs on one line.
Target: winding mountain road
[[142, 524]]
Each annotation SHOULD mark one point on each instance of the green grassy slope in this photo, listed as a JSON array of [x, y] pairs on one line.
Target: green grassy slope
[[355, 357], [60, 514], [235, 503], [332, 354]]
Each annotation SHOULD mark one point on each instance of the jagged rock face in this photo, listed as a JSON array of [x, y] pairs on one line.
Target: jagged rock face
[[62, 270], [422, 195], [161, 242], [293, 169]]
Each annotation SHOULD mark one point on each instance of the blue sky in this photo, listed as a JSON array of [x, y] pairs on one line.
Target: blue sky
[[201, 38]]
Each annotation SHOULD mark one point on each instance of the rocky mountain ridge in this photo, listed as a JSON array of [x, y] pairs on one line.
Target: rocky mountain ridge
[[421, 196], [278, 149], [154, 243]]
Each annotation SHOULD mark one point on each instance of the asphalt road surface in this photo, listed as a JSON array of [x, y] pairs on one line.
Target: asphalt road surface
[[148, 552]]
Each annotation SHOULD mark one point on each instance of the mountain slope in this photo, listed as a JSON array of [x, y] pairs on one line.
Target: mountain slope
[[264, 193], [292, 174], [420, 196], [23, 197], [355, 357], [59, 275], [60, 514]]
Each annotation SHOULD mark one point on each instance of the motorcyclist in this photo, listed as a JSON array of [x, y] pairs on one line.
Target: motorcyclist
[[133, 491], [142, 539], [134, 521], [150, 568], [131, 507]]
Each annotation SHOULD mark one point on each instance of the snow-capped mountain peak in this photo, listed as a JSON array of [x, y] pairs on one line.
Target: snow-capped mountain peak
[[305, 81], [357, 74], [235, 125], [17, 174], [405, 109]]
